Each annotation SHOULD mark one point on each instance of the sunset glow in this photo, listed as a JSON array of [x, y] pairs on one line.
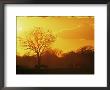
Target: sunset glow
[[71, 32]]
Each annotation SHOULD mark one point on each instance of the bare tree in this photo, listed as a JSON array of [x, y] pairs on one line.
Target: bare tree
[[38, 41]]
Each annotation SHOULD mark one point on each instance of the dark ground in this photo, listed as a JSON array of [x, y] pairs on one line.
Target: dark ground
[[53, 71]]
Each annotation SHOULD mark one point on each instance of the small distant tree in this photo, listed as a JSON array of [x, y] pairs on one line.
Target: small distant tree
[[38, 41]]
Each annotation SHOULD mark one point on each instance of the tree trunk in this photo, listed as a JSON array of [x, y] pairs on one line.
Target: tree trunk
[[38, 57], [39, 60]]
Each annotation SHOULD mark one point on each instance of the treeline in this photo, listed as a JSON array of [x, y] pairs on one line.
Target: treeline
[[56, 62]]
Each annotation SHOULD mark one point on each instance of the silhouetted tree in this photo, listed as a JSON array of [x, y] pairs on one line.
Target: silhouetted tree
[[86, 56], [38, 41]]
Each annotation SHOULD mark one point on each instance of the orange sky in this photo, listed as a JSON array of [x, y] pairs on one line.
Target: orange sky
[[72, 32]]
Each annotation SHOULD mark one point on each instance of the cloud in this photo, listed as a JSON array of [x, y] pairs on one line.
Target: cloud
[[77, 34]]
